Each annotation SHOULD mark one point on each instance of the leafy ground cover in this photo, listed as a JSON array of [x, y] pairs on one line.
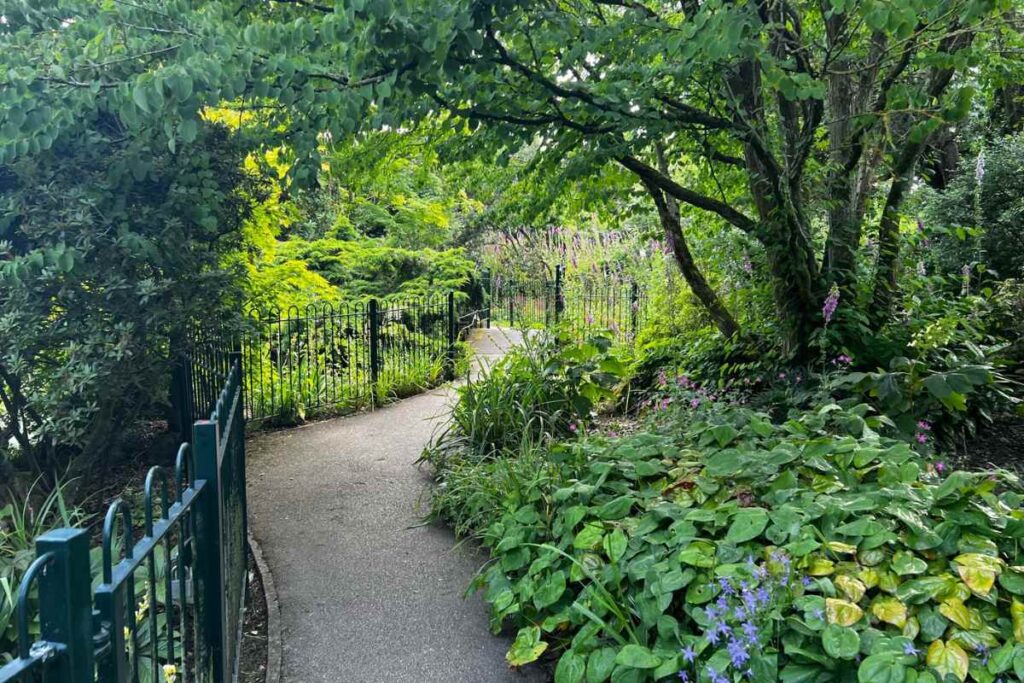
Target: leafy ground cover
[[724, 542]]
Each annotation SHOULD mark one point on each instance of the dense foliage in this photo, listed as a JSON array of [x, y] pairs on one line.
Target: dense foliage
[[109, 251], [727, 539]]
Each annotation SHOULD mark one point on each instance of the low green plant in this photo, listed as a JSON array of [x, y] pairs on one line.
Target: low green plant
[[544, 389], [21, 522], [623, 556]]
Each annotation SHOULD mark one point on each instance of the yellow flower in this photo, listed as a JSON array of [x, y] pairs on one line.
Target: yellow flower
[[170, 673]]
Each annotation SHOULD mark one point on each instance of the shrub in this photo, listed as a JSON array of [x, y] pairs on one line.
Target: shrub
[[543, 389], [625, 555], [20, 524]]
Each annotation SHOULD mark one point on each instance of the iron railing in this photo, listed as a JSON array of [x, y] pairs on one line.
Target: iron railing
[[169, 604], [582, 305], [331, 359]]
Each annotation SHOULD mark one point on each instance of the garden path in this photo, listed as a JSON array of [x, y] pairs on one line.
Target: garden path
[[367, 592]]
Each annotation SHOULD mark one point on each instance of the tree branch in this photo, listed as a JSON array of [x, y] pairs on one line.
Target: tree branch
[[649, 174]]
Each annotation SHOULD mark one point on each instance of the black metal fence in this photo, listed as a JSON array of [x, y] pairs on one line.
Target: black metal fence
[[169, 601], [332, 359], [583, 305]]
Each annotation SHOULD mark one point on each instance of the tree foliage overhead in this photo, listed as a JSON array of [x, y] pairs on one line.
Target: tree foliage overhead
[[798, 112]]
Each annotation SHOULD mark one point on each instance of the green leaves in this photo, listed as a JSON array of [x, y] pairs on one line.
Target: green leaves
[[747, 523], [571, 668], [637, 657], [840, 642], [894, 563], [881, 668], [526, 648]]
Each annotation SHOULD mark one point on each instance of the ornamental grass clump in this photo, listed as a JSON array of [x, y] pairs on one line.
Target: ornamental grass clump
[[739, 549]]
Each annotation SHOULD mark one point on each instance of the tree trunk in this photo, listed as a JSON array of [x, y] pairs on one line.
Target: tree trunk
[[668, 213]]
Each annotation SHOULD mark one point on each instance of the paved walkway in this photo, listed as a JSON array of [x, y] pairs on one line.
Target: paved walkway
[[366, 592]]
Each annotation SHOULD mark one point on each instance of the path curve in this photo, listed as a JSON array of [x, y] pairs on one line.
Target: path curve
[[366, 592]]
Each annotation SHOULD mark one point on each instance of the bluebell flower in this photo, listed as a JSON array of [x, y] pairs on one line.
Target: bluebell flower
[[726, 586], [737, 653], [684, 677], [806, 581], [716, 677], [910, 650], [750, 630], [688, 654], [763, 596], [817, 613]]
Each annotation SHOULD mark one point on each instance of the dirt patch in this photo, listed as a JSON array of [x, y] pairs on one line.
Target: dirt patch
[[253, 659], [998, 446]]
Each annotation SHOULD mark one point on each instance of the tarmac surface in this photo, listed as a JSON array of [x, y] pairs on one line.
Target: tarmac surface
[[367, 592]]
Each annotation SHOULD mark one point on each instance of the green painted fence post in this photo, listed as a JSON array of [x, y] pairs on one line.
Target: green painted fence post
[[559, 297], [65, 603], [373, 310], [209, 563], [634, 307], [487, 296], [450, 355]]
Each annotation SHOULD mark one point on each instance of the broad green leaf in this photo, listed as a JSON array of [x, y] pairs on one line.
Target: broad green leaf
[[589, 537], [840, 642], [948, 658], [571, 668], [881, 668], [615, 545], [600, 665], [550, 591], [906, 564], [748, 523], [637, 657]]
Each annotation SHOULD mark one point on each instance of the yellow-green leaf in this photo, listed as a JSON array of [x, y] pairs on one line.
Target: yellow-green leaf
[[853, 588], [959, 614], [948, 658], [891, 611], [869, 577], [979, 561], [912, 628], [527, 647], [821, 567], [842, 612], [1017, 613], [841, 548], [980, 581]]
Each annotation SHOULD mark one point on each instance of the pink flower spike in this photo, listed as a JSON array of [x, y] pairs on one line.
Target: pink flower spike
[[572, 427], [940, 467], [922, 437], [925, 425], [694, 402]]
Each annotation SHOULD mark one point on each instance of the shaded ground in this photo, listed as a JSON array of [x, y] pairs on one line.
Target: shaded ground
[[367, 592], [1000, 445], [253, 659]]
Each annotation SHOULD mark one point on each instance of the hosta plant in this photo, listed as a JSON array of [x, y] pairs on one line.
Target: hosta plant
[[630, 559]]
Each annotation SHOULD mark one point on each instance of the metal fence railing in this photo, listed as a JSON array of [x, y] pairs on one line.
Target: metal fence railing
[[168, 603], [582, 305], [327, 359]]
